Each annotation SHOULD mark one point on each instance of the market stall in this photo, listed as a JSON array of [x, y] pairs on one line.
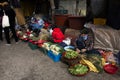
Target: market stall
[[61, 47]]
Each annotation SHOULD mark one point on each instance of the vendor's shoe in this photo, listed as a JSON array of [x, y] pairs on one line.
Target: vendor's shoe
[[17, 42], [1, 39], [7, 44]]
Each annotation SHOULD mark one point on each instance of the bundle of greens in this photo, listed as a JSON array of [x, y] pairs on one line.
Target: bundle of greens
[[78, 69], [70, 54], [34, 38], [56, 49], [96, 60], [47, 45]]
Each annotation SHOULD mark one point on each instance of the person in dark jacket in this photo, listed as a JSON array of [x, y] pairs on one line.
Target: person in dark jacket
[[11, 14], [85, 41], [1, 15]]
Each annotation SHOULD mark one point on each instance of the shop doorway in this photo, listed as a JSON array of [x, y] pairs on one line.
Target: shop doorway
[[35, 6]]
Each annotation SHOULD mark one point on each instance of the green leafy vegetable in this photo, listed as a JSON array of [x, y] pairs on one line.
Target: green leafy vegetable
[[70, 54], [78, 69]]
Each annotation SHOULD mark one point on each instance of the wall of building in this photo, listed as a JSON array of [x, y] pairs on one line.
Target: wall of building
[[113, 16], [99, 8], [70, 5]]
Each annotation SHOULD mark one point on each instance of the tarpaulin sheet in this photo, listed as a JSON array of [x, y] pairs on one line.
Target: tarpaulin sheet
[[105, 37]]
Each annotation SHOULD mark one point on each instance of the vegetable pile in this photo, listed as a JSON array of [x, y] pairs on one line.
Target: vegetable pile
[[56, 49], [71, 54], [78, 69]]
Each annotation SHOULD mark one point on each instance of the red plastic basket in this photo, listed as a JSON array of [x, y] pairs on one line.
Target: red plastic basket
[[111, 69]]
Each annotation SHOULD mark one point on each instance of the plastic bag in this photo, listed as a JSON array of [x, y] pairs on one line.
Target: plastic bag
[[5, 21]]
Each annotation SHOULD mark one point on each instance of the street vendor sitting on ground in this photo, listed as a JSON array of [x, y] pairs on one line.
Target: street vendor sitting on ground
[[84, 42]]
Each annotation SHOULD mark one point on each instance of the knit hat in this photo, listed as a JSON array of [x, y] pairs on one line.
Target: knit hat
[[84, 31]]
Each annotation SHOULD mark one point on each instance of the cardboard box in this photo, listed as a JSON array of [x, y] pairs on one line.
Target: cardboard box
[[99, 21]]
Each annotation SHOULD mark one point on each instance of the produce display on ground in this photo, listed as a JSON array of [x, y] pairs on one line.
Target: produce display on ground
[[70, 54], [91, 61], [79, 69]]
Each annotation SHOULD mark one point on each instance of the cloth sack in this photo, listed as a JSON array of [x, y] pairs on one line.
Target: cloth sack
[[19, 16], [5, 21]]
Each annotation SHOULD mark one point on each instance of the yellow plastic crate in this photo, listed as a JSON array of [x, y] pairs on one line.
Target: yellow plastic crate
[[99, 21]]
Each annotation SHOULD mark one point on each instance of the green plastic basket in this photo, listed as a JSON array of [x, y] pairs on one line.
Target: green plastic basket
[[32, 46], [43, 50]]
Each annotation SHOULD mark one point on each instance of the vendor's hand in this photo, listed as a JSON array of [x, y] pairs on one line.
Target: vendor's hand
[[83, 50], [33, 22], [77, 50]]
